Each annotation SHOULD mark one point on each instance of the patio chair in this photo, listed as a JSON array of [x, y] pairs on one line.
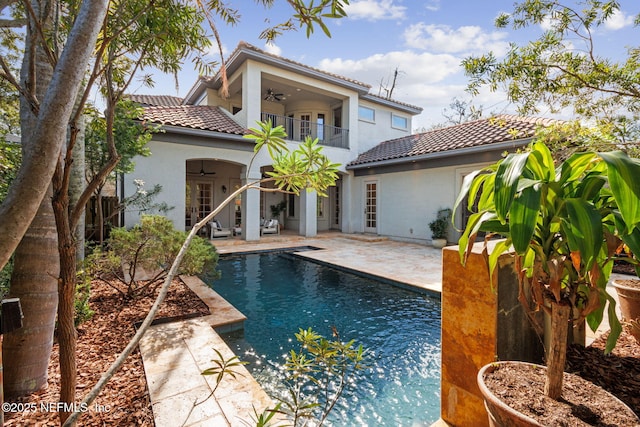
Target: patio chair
[[270, 227], [217, 230]]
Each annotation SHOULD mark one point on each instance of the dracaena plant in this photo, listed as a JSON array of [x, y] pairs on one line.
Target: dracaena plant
[[564, 224]]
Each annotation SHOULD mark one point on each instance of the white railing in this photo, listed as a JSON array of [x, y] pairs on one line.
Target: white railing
[[298, 130]]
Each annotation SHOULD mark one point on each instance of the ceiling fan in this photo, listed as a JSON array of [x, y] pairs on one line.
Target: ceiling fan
[[272, 96], [202, 172]]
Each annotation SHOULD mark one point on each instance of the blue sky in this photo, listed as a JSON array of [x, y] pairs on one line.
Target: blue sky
[[424, 39]]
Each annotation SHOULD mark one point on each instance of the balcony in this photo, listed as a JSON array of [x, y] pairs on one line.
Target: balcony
[[298, 130]]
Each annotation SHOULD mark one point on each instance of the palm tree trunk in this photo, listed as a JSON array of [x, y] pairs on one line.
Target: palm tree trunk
[[26, 351]]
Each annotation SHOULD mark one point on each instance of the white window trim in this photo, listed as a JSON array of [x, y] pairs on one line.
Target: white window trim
[[373, 110], [406, 119]]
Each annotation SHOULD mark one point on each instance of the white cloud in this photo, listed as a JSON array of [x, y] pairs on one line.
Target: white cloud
[[618, 21], [375, 10], [273, 49], [443, 38], [413, 67], [547, 23], [424, 79], [433, 5]]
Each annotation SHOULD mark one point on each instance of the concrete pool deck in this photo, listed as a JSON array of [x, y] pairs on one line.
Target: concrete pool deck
[[174, 354]]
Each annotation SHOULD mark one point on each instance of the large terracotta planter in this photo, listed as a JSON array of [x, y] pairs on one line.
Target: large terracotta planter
[[502, 415], [629, 296]]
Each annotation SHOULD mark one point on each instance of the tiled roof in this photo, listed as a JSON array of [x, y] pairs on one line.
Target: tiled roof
[[156, 100], [195, 117], [501, 128]]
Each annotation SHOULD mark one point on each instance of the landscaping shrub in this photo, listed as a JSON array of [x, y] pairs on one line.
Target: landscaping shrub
[[138, 259]]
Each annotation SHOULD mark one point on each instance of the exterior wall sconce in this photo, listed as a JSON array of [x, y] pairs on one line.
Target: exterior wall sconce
[[224, 189]]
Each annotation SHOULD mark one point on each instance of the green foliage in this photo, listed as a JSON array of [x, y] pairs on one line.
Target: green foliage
[[10, 158], [10, 54], [265, 418], [144, 200], [148, 250], [561, 69], [306, 16], [566, 138], [304, 168], [223, 367], [317, 375], [130, 136], [566, 224], [5, 278], [440, 226], [140, 35], [83, 311], [278, 208]]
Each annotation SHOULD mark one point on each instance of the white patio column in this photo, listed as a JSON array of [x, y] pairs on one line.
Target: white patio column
[[251, 209], [346, 203], [308, 213]]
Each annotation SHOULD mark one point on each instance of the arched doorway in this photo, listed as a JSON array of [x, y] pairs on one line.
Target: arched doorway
[[208, 183]]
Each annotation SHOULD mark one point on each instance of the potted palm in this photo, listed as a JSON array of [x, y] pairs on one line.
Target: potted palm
[[564, 225], [277, 209], [439, 228]]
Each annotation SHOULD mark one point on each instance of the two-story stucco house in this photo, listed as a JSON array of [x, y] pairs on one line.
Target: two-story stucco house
[[392, 182], [201, 156]]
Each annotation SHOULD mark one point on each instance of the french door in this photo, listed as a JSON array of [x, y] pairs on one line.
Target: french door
[[198, 201], [371, 207]]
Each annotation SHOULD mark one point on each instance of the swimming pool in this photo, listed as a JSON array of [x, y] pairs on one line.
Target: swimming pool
[[280, 294]]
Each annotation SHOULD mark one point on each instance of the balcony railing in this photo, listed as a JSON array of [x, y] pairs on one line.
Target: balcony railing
[[298, 130]]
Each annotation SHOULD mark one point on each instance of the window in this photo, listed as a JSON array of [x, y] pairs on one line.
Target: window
[[320, 133], [320, 207], [367, 114], [399, 122]]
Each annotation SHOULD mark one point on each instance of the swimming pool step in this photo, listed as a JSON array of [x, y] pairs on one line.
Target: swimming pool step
[[224, 317], [365, 237]]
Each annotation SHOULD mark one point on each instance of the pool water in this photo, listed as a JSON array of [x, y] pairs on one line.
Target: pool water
[[280, 294]]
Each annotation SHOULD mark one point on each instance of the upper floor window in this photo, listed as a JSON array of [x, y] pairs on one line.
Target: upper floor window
[[399, 122], [367, 114]]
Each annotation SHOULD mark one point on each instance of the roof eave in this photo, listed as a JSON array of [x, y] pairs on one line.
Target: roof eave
[[410, 109], [244, 52], [442, 154], [182, 130], [196, 91]]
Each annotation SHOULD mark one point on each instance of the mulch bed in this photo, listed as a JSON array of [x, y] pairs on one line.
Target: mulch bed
[[617, 372], [100, 340]]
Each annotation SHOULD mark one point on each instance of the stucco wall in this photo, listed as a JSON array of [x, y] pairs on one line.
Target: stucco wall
[[372, 133], [408, 201], [167, 166]]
